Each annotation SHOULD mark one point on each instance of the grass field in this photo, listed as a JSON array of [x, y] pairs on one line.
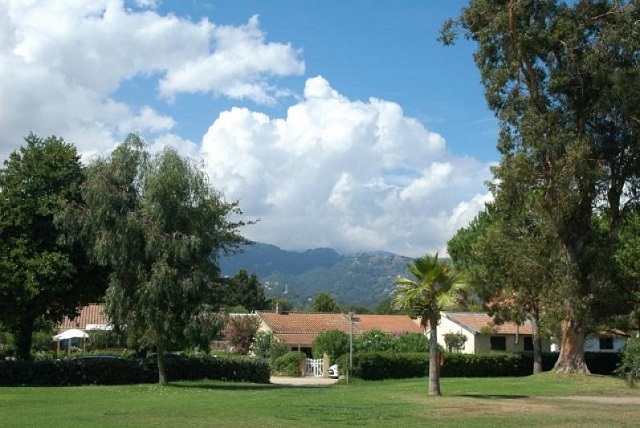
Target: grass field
[[547, 399]]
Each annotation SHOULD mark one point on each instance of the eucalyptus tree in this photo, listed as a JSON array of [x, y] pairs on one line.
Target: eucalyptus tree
[[40, 278], [158, 224], [435, 286], [562, 81]]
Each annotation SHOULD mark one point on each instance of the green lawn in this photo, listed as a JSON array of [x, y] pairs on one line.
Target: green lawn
[[546, 399]]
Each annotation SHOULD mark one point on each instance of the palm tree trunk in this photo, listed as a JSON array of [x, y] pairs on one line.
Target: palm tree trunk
[[434, 361]]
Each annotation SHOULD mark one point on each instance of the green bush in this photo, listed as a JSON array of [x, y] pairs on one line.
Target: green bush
[[389, 365], [374, 341], [334, 342], [289, 364], [112, 370], [412, 342]]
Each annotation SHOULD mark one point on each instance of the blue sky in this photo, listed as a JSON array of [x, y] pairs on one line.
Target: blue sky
[[339, 124]]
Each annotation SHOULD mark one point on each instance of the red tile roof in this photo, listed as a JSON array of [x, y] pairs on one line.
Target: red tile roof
[[391, 324], [304, 322], [300, 328], [93, 313], [477, 321]]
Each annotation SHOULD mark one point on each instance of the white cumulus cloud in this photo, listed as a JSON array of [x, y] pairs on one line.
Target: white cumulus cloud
[[349, 174], [63, 62]]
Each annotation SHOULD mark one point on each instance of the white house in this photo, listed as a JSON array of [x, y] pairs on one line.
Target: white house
[[484, 336]]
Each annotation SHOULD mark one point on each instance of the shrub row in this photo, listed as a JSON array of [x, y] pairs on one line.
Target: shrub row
[[116, 371], [388, 365]]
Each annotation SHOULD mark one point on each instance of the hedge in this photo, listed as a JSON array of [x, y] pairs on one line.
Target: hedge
[[116, 371], [388, 365]]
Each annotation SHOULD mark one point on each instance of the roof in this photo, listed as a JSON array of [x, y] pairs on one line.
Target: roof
[[475, 322], [304, 322], [300, 328], [91, 315], [391, 324]]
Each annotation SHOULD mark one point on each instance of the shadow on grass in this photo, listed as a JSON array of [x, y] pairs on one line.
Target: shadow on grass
[[494, 396], [232, 386]]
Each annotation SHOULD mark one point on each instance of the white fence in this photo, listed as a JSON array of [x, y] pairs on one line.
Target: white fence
[[314, 367]]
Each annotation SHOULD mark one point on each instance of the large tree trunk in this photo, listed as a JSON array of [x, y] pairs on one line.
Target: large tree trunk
[[571, 358], [537, 342], [434, 360], [25, 337]]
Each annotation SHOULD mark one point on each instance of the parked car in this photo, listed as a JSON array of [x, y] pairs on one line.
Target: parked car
[[333, 371]]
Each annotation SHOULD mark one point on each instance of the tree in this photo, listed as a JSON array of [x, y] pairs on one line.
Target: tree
[[244, 290], [562, 80], [436, 286], [375, 341], [455, 341], [508, 262], [40, 277], [156, 222], [240, 332], [385, 307], [324, 302], [332, 342]]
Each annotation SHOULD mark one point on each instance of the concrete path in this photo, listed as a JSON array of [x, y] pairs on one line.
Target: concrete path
[[302, 381]]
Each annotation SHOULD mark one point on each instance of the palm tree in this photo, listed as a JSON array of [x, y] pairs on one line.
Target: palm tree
[[436, 287]]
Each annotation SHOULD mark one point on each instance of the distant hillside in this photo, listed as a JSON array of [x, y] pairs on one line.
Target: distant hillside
[[363, 279]]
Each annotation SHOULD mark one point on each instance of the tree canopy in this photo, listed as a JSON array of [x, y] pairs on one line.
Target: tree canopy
[[40, 277], [157, 223], [324, 302], [562, 80], [244, 290]]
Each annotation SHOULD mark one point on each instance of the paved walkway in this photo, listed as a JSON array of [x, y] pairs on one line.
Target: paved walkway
[[303, 381]]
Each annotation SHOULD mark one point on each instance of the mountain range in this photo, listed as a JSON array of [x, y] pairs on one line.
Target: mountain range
[[362, 279]]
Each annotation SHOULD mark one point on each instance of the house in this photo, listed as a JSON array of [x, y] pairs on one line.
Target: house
[[91, 317], [604, 341], [299, 329], [483, 335]]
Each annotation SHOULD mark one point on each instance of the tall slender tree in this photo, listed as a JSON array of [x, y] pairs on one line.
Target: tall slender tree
[[562, 80], [40, 277], [156, 222], [434, 287]]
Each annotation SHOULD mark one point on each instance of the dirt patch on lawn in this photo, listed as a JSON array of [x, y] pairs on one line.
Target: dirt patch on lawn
[[601, 399]]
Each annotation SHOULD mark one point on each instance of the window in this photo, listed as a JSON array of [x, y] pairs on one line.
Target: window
[[606, 343], [498, 343], [528, 344]]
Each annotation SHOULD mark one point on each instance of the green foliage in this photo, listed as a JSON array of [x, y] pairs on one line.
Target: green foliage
[[396, 365], [40, 276], [374, 341], [244, 290], [289, 364], [412, 342], [205, 326], [159, 226], [333, 342], [240, 332], [110, 370], [324, 302], [435, 287], [629, 366], [455, 341], [267, 346], [561, 79], [385, 307]]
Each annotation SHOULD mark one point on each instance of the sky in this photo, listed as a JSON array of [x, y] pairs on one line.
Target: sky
[[334, 123]]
